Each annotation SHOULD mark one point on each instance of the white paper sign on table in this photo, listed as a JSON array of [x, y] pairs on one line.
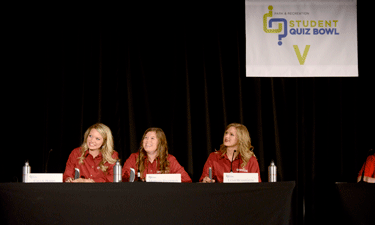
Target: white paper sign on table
[[164, 178], [241, 178], [45, 178]]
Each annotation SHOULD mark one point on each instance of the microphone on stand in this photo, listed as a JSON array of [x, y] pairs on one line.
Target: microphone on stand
[[132, 175], [77, 174], [210, 174], [232, 161], [139, 162], [47, 160]]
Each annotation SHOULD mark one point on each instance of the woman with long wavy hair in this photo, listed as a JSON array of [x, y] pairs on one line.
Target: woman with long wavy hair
[[235, 155], [95, 158], [153, 158]]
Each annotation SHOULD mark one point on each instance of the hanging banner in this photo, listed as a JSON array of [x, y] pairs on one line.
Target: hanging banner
[[306, 38]]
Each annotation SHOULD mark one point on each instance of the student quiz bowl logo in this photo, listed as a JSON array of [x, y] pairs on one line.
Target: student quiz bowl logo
[[282, 29], [299, 26]]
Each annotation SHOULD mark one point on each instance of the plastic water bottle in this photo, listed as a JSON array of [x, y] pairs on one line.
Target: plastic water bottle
[[117, 172], [272, 172], [25, 171]]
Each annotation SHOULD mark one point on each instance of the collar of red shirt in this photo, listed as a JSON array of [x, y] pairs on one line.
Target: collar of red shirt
[[226, 156], [145, 158], [98, 156]]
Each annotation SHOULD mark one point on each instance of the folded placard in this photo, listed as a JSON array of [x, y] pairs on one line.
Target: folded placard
[[241, 178], [44, 178], [164, 178]]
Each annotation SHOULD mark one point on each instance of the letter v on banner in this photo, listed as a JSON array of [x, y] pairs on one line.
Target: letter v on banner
[[301, 58]]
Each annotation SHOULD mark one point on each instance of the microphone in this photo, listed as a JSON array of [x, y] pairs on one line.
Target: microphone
[[232, 161], [47, 161], [76, 173], [210, 174], [139, 162], [132, 175]]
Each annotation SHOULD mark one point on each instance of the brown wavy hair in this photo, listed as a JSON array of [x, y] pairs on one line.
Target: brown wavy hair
[[162, 149], [106, 148], [245, 148]]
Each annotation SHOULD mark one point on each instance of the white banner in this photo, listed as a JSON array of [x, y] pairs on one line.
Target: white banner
[[306, 38]]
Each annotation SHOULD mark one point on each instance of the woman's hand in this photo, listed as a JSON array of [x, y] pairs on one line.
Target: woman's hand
[[366, 179], [69, 180], [208, 180], [83, 180]]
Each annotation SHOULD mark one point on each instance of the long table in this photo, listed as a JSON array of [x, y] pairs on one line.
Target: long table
[[357, 202], [146, 203]]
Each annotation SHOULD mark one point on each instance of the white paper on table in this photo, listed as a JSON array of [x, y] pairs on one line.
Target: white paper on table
[[164, 178], [44, 178], [240, 178]]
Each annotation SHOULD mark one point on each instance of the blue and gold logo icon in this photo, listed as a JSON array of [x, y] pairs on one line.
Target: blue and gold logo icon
[[283, 25]]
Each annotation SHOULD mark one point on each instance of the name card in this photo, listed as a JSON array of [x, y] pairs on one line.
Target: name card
[[164, 178], [240, 178], [44, 178]]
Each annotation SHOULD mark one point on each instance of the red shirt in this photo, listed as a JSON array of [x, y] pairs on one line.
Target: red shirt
[[174, 167], [221, 164], [90, 167], [370, 167]]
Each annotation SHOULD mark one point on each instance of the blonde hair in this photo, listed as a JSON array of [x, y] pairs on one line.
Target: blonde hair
[[162, 149], [245, 148], [106, 148]]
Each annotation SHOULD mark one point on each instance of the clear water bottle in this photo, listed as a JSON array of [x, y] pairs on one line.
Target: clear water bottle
[[272, 172], [117, 172], [25, 171]]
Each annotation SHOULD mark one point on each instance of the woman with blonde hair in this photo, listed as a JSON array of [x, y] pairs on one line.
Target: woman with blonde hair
[[235, 155], [153, 158], [95, 158]]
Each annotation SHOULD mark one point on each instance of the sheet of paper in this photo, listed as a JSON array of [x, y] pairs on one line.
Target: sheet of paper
[[164, 178], [45, 178], [240, 178]]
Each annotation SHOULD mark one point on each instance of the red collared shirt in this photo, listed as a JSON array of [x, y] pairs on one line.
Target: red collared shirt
[[221, 164], [174, 167], [90, 167], [370, 167]]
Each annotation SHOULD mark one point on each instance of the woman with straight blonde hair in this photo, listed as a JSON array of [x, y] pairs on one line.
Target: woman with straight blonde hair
[[235, 155], [153, 157], [95, 158]]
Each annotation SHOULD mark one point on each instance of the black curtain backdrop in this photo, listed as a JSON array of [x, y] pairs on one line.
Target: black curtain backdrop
[[180, 67]]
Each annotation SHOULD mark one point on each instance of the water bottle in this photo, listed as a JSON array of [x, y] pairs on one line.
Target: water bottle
[[25, 171], [117, 172], [272, 172]]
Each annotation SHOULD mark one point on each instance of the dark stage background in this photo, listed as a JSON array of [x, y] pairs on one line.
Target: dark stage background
[[179, 67]]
